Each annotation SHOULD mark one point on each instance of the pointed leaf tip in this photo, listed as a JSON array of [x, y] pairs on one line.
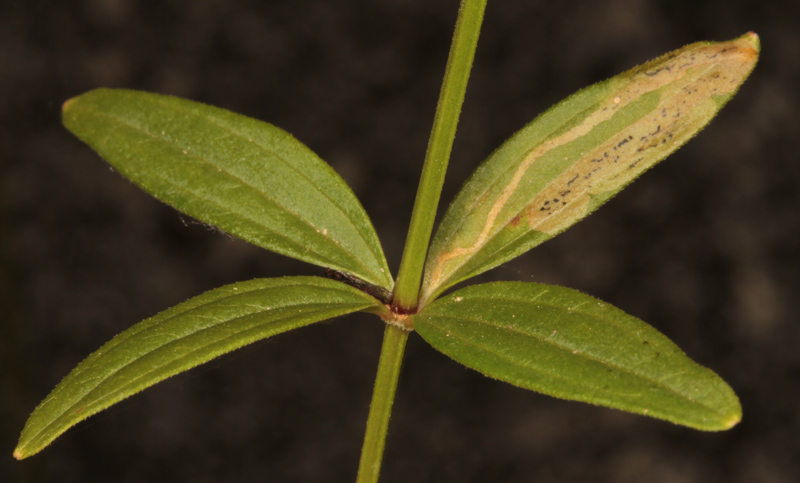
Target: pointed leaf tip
[[735, 418], [67, 104], [754, 39]]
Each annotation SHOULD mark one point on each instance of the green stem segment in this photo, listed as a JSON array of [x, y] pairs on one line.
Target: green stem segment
[[380, 409], [448, 110], [406, 294]]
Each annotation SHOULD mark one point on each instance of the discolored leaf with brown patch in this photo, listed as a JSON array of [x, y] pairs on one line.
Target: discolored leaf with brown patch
[[580, 153]]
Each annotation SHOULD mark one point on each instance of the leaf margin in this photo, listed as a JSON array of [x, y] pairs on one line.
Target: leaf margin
[[741, 55], [133, 112], [38, 433], [440, 336]]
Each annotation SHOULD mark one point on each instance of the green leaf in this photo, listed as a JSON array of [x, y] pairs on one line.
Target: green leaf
[[580, 153], [566, 344], [247, 177], [183, 337]]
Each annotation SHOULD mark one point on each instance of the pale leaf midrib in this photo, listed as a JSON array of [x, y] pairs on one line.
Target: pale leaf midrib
[[257, 191], [102, 380], [658, 383]]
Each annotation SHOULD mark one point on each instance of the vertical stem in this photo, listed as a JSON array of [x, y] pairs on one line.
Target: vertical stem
[[380, 409], [406, 295], [451, 97]]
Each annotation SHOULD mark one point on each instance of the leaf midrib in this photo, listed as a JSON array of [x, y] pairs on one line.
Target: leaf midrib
[[496, 180], [232, 132], [580, 353], [294, 168], [102, 380], [218, 301], [253, 188]]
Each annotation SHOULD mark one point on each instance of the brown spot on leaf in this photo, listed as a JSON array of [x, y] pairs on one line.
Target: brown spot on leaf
[[685, 79]]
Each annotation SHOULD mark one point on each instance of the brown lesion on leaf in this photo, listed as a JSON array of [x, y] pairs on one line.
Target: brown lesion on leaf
[[688, 78], [568, 197], [684, 107], [606, 168]]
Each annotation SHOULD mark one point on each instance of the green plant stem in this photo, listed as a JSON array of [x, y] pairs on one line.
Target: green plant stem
[[406, 295], [380, 409], [448, 110]]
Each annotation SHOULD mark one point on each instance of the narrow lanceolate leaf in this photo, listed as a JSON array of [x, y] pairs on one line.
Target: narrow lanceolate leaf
[[183, 337], [250, 178], [566, 344], [580, 153]]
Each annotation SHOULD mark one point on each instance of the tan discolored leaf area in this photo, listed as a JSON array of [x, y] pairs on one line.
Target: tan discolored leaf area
[[580, 153]]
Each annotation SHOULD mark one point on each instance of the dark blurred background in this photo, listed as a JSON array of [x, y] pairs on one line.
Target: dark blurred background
[[704, 247]]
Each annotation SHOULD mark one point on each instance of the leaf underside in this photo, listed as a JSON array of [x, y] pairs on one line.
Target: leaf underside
[[561, 342], [258, 183], [183, 337], [250, 178], [579, 154]]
